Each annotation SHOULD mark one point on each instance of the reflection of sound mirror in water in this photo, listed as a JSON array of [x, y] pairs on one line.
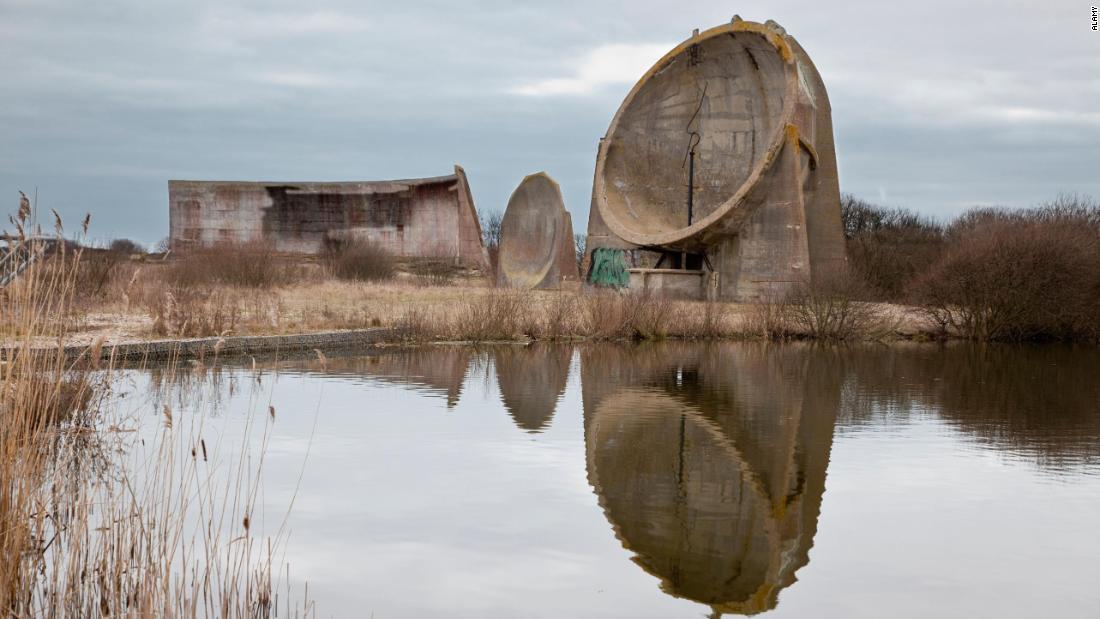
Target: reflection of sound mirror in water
[[721, 507], [531, 380]]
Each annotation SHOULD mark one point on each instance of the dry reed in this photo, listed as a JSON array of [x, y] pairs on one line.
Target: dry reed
[[252, 264], [88, 525]]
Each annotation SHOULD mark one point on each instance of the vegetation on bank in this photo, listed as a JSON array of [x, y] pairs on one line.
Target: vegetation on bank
[[95, 520], [990, 275]]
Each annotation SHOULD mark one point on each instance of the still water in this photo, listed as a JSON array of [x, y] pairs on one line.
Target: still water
[[675, 479]]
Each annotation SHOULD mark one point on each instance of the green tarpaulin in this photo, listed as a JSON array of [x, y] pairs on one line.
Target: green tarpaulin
[[608, 268]]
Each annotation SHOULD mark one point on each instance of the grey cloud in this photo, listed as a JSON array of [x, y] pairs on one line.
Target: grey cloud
[[936, 107]]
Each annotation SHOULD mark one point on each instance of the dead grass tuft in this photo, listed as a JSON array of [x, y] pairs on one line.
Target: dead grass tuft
[[253, 264], [433, 272], [358, 260]]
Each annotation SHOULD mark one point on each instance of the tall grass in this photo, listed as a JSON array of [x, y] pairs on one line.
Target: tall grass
[[501, 315], [208, 291], [90, 525], [610, 315], [253, 264], [830, 307], [433, 272]]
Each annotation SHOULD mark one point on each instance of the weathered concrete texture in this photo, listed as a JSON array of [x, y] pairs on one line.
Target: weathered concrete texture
[[710, 462], [677, 283], [536, 237], [765, 203], [426, 217]]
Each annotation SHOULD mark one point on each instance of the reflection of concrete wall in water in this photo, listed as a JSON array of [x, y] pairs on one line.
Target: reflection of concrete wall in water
[[531, 380], [440, 370], [428, 217], [719, 169], [709, 462]]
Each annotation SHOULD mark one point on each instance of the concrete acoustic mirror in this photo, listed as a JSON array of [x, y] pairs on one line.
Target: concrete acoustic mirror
[[717, 176], [536, 237]]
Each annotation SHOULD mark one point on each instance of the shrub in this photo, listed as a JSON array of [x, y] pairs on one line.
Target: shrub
[[192, 312], [767, 318], [433, 272], [126, 247], [1023, 275], [829, 308], [358, 260], [98, 272], [888, 248], [253, 264], [415, 325]]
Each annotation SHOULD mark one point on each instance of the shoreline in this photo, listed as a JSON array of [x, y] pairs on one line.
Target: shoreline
[[225, 346], [373, 339]]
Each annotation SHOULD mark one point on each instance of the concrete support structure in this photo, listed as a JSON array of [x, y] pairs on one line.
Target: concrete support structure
[[418, 218], [721, 161], [536, 237]]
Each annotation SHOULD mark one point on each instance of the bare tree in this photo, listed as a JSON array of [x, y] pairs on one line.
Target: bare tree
[[1018, 275], [888, 247], [490, 229]]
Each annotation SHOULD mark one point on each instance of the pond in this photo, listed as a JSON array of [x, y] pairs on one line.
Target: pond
[[672, 479]]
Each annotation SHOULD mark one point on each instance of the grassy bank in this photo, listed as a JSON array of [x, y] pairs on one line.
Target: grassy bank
[[989, 275], [466, 309], [250, 290]]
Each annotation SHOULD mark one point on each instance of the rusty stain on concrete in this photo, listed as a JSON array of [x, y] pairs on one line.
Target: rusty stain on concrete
[[420, 218], [536, 237], [737, 118]]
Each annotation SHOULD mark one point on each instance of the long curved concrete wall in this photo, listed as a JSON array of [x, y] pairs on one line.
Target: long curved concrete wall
[[424, 217]]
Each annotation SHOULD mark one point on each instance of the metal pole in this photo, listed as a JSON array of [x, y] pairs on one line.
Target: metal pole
[[691, 183]]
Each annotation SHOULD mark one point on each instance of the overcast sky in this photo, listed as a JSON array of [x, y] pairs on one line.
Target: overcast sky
[[937, 105]]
